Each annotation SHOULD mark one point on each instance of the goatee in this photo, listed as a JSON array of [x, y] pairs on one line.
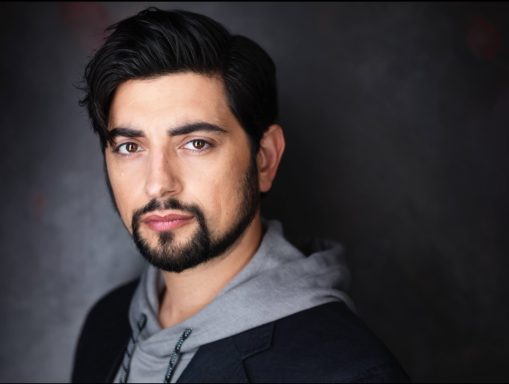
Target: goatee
[[201, 247]]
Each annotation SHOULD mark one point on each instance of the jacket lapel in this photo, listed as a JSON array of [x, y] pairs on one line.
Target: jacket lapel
[[222, 360], [116, 364]]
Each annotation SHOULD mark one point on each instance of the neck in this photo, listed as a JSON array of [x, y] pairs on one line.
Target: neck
[[189, 291]]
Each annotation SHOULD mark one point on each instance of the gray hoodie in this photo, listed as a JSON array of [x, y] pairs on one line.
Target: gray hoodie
[[277, 282]]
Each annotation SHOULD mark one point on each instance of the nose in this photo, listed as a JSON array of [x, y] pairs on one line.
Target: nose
[[162, 179]]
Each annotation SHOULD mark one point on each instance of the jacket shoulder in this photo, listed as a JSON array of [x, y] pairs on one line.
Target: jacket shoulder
[[103, 335], [327, 343]]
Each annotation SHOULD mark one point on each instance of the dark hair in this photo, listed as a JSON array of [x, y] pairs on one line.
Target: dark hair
[[156, 42]]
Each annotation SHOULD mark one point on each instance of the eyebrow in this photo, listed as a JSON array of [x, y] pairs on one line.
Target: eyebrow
[[194, 127], [124, 132], [178, 131]]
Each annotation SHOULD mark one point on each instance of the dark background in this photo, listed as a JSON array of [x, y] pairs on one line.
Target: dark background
[[396, 118]]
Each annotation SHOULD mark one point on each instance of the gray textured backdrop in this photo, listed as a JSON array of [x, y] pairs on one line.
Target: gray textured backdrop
[[396, 118]]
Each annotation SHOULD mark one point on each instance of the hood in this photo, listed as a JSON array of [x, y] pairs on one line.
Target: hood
[[277, 282]]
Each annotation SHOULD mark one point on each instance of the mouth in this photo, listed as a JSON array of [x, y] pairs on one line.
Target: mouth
[[167, 222]]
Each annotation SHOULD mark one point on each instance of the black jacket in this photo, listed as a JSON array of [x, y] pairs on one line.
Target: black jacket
[[327, 343]]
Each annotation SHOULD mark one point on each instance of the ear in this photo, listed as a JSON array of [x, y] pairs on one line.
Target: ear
[[272, 146]]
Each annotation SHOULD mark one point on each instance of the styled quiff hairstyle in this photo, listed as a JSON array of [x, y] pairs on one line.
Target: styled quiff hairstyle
[[156, 42]]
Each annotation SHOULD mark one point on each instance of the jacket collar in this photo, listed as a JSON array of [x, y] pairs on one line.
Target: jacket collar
[[222, 361]]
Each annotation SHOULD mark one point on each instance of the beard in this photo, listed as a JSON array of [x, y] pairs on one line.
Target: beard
[[201, 247]]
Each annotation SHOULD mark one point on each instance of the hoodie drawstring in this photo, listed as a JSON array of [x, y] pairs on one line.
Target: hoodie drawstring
[[126, 361], [174, 357]]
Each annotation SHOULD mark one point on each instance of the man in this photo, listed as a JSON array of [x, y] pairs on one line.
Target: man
[[186, 115]]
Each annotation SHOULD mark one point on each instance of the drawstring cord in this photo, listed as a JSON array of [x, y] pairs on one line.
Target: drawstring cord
[[172, 364], [174, 357], [126, 361]]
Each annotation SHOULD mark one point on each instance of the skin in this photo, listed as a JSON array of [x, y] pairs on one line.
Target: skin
[[201, 167]]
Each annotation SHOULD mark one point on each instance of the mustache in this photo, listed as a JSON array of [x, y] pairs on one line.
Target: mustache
[[171, 203]]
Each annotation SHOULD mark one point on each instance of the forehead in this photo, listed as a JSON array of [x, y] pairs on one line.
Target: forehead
[[172, 99]]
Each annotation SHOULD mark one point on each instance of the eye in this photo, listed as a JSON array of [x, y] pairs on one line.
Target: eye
[[197, 145], [128, 148]]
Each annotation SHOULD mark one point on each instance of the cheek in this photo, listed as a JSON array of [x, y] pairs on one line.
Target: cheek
[[123, 191], [218, 189]]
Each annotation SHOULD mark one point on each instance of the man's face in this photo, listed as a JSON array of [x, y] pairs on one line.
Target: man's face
[[180, 168]]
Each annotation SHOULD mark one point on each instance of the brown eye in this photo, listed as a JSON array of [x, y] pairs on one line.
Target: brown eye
[[199, 144], [131, 147], [128, 148]]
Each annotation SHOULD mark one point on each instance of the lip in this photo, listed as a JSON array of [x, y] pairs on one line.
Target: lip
[[167, 222]]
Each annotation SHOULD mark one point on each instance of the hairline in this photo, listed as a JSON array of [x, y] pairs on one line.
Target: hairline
[[217, 74]]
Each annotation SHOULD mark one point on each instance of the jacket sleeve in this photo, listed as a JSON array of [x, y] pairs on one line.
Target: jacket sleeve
[[103, 337]]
